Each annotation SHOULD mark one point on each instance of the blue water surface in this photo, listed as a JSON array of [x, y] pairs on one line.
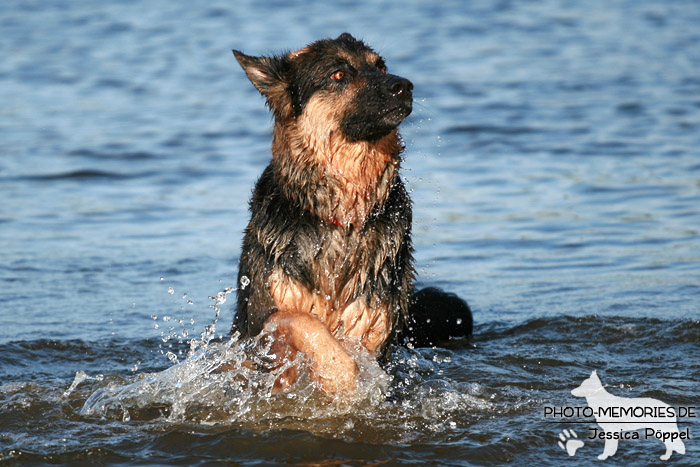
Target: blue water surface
[[553, 157]]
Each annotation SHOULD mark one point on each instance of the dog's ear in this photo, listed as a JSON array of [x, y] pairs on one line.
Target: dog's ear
[[346, 36], [270, 76]]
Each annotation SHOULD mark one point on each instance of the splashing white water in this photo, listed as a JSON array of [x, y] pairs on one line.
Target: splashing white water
[[230, 381]]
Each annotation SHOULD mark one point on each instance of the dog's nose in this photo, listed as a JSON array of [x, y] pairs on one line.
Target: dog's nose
[[397, 85]]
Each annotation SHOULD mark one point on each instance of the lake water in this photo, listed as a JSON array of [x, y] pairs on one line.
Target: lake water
[[554, 161]]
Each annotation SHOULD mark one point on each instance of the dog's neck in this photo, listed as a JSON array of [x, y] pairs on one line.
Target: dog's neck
[[598, 398], [340, 181]]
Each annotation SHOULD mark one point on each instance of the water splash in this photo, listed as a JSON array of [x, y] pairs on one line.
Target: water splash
[[232, 381], [80, 376]]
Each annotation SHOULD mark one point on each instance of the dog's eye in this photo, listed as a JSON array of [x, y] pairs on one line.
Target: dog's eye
[[337, 75]]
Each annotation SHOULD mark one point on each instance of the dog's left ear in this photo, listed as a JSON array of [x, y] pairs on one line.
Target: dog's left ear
[[269, 76]]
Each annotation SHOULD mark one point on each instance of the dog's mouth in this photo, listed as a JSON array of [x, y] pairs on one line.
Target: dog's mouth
[[397, 113], [373, 125], [401, 111]]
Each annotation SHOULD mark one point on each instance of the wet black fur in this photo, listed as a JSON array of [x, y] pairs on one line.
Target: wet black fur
[[435, 318]]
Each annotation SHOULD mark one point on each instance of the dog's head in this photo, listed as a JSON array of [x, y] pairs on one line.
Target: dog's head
[[338, 84], [589, 386]]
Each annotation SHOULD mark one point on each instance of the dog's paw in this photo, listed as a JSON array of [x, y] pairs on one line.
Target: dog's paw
[[569, 441]]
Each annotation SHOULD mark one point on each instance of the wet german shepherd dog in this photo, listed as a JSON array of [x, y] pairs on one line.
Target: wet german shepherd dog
[[327, 257]]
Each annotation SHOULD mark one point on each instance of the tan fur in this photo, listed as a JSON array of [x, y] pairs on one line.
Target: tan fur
[[333, 368], [371, 57], [289, 295], [352, 170], [367, 325], [296, 53]]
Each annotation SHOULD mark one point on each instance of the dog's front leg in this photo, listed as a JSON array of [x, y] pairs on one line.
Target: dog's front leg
[[331, 366], [296, 325]]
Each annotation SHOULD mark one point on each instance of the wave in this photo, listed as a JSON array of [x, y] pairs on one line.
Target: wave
[[115, 155], [84, 175]]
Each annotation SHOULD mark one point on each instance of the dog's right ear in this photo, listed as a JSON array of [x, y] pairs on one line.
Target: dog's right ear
[[269, 76]]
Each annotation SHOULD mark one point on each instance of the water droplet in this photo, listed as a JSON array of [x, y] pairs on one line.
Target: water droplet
[[459, 321], [80, 376], [171, 291], [154, 317], [244, 282], [219, 298]]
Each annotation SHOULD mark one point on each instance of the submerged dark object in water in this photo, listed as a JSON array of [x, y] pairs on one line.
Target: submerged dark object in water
[[436, 317]]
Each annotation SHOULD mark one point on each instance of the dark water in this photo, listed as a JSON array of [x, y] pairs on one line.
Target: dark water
[[553, 156]]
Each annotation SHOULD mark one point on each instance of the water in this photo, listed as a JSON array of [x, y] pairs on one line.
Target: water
[[553, 161]]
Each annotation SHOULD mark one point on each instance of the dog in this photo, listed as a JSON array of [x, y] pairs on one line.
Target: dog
[[327, 259], [616, 415]]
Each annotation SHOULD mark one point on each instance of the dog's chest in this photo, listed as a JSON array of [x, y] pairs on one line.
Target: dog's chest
[[351, 264], [352, 271]]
